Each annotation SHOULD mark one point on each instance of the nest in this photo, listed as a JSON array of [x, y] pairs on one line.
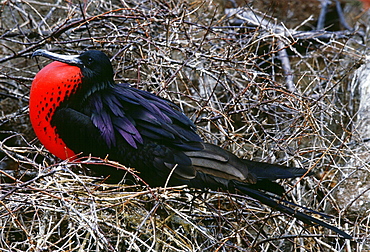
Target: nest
[[265, 90]]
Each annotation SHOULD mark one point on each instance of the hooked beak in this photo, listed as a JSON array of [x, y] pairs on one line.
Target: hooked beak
[[68, 59]]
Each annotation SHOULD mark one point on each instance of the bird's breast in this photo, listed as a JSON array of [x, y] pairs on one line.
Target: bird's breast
[[50, 88]]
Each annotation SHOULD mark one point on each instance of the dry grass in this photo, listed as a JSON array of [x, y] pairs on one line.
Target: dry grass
[[252, 85]]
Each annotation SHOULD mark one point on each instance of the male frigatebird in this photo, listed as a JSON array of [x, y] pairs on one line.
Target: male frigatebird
[[76, 107]]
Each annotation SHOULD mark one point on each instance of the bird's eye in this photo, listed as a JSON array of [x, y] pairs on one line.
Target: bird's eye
[[90, 60]]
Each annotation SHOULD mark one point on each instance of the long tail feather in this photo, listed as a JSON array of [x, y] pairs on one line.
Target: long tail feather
[[265, 199]]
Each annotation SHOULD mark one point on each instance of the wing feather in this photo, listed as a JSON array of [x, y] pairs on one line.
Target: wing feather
[[135, 115]]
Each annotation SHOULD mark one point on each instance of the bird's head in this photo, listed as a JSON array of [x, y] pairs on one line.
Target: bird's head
[[95, 65]]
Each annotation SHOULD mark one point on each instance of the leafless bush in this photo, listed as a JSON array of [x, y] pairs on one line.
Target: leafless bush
[[260, 89]]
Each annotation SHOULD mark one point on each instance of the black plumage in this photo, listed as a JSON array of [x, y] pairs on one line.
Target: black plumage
[[152, 135]]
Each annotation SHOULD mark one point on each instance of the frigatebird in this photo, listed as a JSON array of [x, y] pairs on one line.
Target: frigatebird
[[76, 107]]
